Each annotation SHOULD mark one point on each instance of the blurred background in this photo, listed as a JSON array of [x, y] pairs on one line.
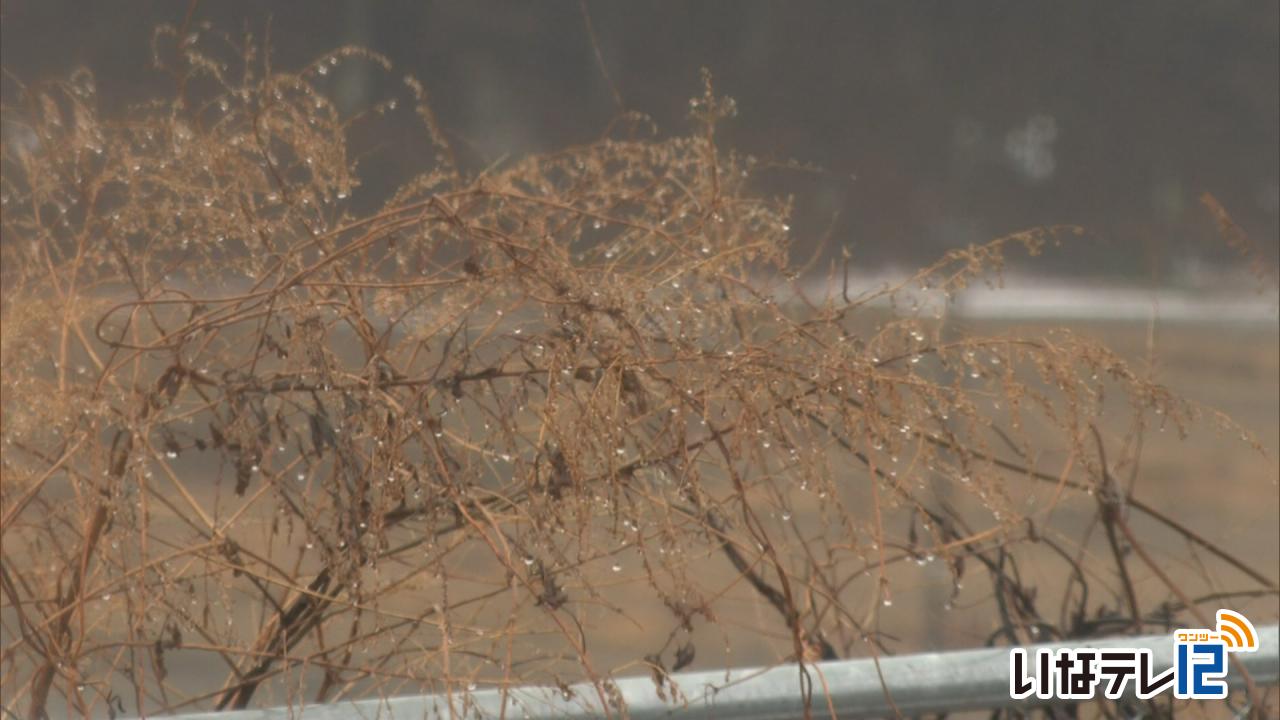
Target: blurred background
[[902, 130], [930, 125]]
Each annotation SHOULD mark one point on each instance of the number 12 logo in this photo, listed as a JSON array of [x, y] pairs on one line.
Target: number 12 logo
[[1202, 655]]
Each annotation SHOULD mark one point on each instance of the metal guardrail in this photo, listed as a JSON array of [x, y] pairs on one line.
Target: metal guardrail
[[923, 683]]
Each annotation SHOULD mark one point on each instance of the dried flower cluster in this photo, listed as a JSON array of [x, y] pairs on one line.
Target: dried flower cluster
[[318, 448]]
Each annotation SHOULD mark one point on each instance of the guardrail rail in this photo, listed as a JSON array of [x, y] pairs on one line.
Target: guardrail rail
[[915, 684]]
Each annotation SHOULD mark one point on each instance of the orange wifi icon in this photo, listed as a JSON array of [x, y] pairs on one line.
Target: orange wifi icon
[[1237, 632]]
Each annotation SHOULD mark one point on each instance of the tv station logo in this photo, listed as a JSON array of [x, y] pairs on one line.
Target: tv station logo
[[1199, 670]]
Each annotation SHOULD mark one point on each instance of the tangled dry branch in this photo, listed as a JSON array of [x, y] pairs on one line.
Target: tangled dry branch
[[256, 424]]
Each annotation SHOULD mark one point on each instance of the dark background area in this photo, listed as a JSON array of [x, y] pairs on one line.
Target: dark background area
[[935, 124]]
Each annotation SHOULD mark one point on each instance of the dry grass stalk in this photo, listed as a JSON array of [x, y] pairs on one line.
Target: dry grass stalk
[[336, 450]]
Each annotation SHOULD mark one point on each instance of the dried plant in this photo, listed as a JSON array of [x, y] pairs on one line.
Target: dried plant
[[319, 448]]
